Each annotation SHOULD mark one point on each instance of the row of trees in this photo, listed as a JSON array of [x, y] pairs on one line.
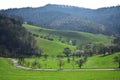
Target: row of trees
[[70, 58]]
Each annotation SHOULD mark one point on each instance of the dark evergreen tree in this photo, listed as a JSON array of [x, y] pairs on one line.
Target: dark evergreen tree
[[14, 39]]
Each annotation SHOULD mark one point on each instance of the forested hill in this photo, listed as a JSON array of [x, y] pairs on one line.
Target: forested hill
[[103, 20], [15, 41]]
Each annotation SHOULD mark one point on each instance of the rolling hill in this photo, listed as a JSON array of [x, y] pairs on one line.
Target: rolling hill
[[54, 41], [103, 20]]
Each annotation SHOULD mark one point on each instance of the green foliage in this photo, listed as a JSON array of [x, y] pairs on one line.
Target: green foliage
[[104, 20], [60, 63], [80, 63], [14, 39], [98, 61], [35, 64], [67, 51], [117, 60], [117, 40]]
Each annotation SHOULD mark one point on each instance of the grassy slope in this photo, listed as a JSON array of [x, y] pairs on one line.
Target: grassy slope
[[100, 61], [81, 37], [56, 47], [52, 47], [49, 47], [8, 72]]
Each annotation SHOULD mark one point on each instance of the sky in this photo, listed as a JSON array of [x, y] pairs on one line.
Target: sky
[[93, 4]]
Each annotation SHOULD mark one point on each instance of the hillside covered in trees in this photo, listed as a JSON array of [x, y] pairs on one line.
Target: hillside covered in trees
[[14, 39], [62, 17]]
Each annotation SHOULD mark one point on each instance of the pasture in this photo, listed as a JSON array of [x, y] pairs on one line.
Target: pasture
[[9, 72]]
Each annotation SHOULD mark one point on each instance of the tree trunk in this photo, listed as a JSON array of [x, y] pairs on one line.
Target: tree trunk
[[119, 65]]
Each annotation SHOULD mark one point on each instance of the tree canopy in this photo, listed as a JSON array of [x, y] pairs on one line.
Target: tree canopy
[[14, 39]]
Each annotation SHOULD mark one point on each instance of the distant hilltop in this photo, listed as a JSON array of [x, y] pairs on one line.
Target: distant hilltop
[[64, 17]]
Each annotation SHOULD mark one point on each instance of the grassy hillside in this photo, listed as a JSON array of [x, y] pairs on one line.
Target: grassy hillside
[[81, 38], [52, 47], [8, 72], [61, 39], [100, 61], [49, 47]]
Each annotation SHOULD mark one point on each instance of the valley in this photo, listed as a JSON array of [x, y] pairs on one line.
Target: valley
[[58, 42]]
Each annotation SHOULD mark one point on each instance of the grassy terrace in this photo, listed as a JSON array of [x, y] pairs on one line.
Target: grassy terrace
[[9, 72]]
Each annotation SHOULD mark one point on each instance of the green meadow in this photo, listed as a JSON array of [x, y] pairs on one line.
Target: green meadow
[[101, 61], [9, 72], [98, 61], [52, 48]]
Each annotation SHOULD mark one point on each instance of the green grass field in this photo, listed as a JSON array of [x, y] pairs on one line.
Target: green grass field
[[98, 61], [52, 48], [9, 72]]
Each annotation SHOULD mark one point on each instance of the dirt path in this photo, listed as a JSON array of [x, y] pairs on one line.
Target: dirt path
[[15, 63]]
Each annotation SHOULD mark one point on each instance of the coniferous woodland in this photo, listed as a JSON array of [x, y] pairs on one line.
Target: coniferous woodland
[[14, 39], [61, 17]]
